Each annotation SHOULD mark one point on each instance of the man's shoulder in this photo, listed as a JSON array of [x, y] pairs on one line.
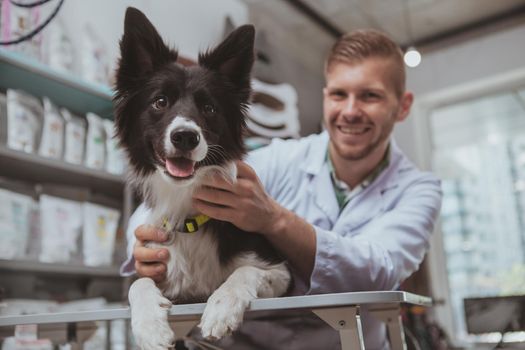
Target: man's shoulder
[[293, 148], [404, 172]]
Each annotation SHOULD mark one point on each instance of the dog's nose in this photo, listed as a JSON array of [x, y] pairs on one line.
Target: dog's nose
[[185, 140]]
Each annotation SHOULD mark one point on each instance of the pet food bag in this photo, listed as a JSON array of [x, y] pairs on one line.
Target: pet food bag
[[115, 160], [100, 230], [24, 114], [94, 60], [15, 217], [61, 222], [75, 136], [18, 21], [52, 140], [58, 50], [95, 142]]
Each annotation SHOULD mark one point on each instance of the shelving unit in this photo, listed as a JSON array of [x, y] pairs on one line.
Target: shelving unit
[[20, 72], [80, 97], [63, 269], [34, 168]]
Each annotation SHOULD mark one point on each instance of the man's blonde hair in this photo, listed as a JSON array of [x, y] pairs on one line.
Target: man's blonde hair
[[356, 46]]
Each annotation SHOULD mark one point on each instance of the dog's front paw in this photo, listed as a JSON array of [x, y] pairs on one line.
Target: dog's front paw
[[223, 314], [149, 320]]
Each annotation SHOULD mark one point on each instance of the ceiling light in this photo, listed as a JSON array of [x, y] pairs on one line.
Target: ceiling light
[[412, 57]]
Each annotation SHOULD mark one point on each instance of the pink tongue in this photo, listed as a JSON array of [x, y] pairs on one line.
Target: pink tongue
[[180, 167]]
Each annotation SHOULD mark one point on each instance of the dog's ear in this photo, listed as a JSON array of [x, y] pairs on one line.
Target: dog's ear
[[141, 49], [233, 57]]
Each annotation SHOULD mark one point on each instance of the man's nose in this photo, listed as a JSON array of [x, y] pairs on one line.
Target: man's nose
[[351, 107]]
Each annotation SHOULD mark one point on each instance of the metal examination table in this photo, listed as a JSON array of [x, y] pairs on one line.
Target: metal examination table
[[340, 311]]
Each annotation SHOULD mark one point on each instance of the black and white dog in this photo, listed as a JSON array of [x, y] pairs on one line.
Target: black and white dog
[[180, 125]]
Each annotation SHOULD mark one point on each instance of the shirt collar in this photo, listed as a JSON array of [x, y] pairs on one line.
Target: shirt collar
[[367, 181]]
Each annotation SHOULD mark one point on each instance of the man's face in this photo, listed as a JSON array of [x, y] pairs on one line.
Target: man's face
[[361, 107]]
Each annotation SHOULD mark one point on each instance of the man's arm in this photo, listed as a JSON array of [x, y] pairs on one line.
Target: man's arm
[[384, 253]]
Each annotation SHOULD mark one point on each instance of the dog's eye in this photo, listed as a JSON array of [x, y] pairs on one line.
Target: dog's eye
[[160, 103], [209, 109]]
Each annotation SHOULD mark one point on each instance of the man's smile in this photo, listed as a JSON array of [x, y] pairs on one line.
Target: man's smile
[[353, 130]]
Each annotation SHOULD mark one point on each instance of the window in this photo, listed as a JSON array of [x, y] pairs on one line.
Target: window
[[478, 150]]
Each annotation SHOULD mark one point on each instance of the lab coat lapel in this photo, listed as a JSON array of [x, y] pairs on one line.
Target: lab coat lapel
[[363, 208], [321, 188], [325, 198]]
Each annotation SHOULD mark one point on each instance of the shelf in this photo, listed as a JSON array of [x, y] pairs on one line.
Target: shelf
[[34, 168], [52, 268], [21, 72]]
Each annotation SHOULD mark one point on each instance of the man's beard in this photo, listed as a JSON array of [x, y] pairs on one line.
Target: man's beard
[[369, 149]]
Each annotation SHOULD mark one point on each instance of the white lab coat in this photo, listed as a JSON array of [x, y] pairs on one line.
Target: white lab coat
[[378, 240]]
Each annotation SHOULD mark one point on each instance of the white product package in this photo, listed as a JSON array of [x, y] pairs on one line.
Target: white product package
[[100, 231], [18, 21], [52, 141], [58, 50], [61, 222], [75, 136], [24, 113], [94, 60], [15, 217], [95, 142], [115, 159]]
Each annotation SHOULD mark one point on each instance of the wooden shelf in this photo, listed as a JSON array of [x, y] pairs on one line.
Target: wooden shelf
[[20, 72], [52, 268], [36, 169]]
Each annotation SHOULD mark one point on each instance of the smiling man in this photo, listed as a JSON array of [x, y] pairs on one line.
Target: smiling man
[[346, 208]]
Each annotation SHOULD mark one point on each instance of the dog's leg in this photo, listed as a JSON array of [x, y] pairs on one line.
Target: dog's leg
[[149, 316], [225, 308]]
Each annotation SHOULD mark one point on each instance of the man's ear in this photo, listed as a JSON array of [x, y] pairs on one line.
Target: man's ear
[[233, 57], [141, 49], [405, 104]]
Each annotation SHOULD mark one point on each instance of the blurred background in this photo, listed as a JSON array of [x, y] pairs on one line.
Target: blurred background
[[64, 204]]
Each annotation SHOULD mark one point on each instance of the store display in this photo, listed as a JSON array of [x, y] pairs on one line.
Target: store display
[[95, 142], [15, 218], [61, 224], [52, 139], [75, 136], [24, 114], [100, 229]]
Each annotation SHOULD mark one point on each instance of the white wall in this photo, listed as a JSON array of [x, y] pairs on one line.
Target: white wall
[[448, 67], [189, 25]]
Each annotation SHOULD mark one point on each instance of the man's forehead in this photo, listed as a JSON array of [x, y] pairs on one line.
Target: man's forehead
[[375, 71]]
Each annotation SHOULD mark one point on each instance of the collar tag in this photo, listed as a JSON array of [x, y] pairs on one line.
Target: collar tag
[[190, 225], [193, 224]]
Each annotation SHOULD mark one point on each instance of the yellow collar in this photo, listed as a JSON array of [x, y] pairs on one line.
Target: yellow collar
[[190, 225]]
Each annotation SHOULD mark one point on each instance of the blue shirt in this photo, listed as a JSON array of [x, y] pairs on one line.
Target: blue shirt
[[377, 240]]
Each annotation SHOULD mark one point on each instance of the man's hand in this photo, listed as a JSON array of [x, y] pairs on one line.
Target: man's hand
[[244, 203], [247, 205], [150, 262]]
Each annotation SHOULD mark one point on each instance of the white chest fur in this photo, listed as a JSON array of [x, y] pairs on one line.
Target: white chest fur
[[193, 270]]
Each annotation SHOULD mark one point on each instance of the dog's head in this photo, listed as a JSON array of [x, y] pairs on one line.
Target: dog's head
[[174, 119]]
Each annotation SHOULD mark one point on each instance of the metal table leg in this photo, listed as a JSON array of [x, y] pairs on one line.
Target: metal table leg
[[182, 328], [392, 317], [346, 320]]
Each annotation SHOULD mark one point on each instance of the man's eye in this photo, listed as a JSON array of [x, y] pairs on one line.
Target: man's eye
[[338, 95], [160, 103], [371, 95], [209, 109]]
